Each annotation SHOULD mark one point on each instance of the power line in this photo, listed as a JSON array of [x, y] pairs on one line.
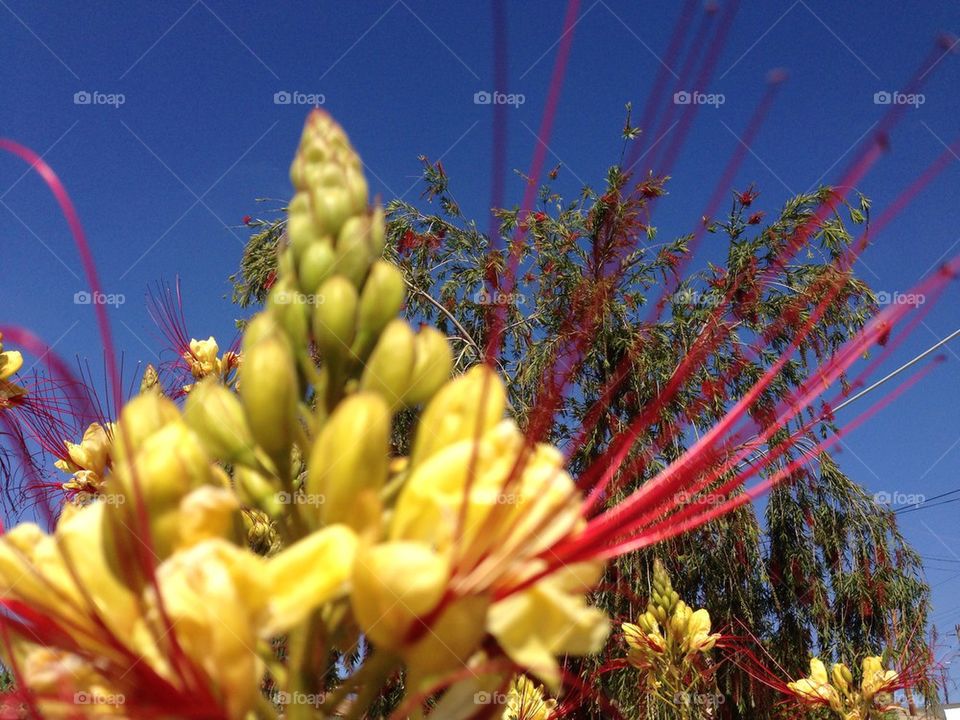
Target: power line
[[891, 375]]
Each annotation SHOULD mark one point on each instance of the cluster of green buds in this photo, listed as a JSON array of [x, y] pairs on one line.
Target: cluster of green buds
[[839, 692], [670, 640], [334, 290]]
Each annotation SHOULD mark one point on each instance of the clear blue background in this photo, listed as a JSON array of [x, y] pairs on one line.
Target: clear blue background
[[163, 181]]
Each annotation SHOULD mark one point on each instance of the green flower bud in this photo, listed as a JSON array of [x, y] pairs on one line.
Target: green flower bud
[[291, 308], [355, 249], [381, 300], [216, 416], [335, 319], [388, 369], [349, 458], [269, 390], [432, 365], [316, 265]]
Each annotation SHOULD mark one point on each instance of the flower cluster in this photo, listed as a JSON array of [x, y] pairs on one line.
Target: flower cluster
[[268, 506], [204, 360], [88, 460], [669, 640], [838, 692], [526, 701]]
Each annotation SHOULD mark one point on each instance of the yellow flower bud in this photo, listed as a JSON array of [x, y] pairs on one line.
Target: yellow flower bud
[[269, 389], [150, 381], [316, 265], [463, 409], [207, 513], [433, 363], [216, 416], [389, 366], [292, 309], [140, 418], [335, 319], [354, 249], [381, 300], [840, 674], [350, 459]]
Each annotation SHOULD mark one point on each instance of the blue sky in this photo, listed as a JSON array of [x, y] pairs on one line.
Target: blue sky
[[163, 179]]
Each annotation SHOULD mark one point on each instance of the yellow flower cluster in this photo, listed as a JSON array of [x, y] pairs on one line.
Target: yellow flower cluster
[[203, 359], [88, 460], [437, 558], [838, 692], [669, 639], [526, 701]]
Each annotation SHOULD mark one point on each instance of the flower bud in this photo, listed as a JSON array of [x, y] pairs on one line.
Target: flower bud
[[216, 416], [257, 490], [142, 417], [389, 366], [350, 458], [316, 265], [433, 363], [381, 300], [301, 231], [206, 513], [287, 304], [464, 408], [355, 249], [150, 382], [269, 390], [335, 319]]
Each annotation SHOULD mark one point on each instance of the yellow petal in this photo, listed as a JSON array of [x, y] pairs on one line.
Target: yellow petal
[[308, 574]]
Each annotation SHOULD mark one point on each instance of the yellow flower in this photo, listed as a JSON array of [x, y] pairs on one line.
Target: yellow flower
[[463, 533], [526, 701], [817, 688], [89, 459], [698, 637], [875, 678], [10, 361]]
